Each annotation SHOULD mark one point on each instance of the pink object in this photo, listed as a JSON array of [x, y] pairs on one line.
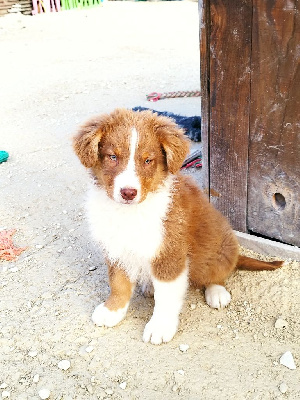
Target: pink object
[[8, 251], [41, 6]]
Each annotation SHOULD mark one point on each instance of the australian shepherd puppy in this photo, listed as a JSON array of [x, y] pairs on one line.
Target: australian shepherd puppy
[[154, 225]]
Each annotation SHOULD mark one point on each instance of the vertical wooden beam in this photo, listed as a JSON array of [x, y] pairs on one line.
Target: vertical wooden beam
[[204, 14], [274, 156], [228, 78]]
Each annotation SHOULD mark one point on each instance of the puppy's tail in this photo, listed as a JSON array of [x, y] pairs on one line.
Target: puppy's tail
[[250, 264]]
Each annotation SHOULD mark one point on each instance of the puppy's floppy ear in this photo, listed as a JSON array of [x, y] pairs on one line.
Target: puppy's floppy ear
[[173, 141], [86, 142]]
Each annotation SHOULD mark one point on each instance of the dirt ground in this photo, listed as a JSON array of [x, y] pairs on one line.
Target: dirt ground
[[56, 71]]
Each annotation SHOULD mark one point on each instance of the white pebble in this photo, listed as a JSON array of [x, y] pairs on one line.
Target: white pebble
[[193, 306], [33, 353], [44, 394], [14, 269], [280, 323], [5, 394], [89, 349], [47, 295], [283, 387], [184, 347], [123, 385], [3, 385], [287, 360], [109, 391], [64, 365], [180, 372], [36, 378], [174, 388]]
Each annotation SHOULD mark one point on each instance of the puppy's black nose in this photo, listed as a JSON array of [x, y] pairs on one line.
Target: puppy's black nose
[[128, 193]]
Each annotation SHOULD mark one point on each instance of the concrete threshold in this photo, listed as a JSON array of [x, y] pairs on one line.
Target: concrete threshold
[[268, 247]]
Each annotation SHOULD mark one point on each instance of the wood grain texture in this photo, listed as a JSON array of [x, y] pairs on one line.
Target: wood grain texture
[[7, 5], [230, 50], [274, 153], [204, 80]]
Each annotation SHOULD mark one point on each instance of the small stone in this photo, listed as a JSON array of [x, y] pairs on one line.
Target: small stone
[[22, 396], [47, 295], [283, 387], [280, 323], [123, 385], [39, 246], [89, 349], [90, 389], [287, 360], [3, 385], [184, 347], [64, 365], [44, 394], [36, 378], [93, 268], [5, 394], [109, 392], [33, 353], [193, 306], [179, 377], [14, 269]]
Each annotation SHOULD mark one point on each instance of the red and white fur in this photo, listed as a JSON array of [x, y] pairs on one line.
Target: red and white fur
[[154, 225]]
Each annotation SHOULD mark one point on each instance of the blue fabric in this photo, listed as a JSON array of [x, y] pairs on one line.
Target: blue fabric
[[191, 125]]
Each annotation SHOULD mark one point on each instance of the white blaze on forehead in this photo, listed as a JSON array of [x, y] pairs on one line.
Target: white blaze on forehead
[[128, 177], [133, 146]]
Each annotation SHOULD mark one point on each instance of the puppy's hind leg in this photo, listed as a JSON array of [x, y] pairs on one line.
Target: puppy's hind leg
[[217, 296], [115, 308]]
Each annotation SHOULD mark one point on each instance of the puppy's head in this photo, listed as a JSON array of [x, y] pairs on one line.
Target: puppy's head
[[131, 153]]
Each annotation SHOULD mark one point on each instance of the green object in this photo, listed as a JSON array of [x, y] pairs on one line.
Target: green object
[[3, 156], [69, 4]]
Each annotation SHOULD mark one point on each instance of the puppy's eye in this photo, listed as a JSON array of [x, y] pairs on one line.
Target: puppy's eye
[[113, 157], [148, 161]]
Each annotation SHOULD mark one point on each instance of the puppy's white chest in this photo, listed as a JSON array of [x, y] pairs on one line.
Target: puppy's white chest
[[131, 235]]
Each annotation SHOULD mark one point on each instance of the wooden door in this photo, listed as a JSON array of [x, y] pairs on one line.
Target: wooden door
[[274, 147], [251, 114]]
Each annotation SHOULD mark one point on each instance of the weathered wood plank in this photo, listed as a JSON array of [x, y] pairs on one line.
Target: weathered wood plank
[[204, 80], [7, 5], [229, 96], [274, 156]]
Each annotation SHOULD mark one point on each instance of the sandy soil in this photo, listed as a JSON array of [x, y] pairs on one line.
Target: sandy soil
[[56, 71]]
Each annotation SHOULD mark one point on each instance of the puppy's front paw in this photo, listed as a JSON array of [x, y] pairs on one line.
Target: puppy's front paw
[[102, 316], [158, 331], [216, 296]]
